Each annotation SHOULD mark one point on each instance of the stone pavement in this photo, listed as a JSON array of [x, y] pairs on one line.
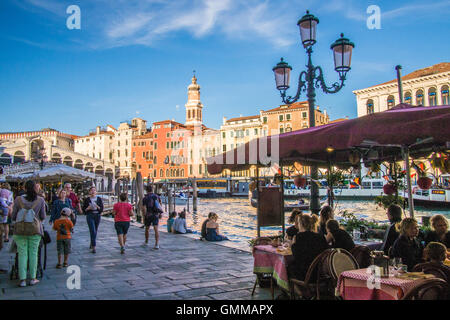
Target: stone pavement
[[183, 268]]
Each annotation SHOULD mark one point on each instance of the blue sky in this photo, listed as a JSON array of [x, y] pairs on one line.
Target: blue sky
[[136, 57]]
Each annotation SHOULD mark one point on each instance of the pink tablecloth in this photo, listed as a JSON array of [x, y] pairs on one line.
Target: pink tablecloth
[[354, 285], [268, 260]]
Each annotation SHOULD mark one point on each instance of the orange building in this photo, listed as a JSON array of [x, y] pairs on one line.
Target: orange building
[[142, 155]]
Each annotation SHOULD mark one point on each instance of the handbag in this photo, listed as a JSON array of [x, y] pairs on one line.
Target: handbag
[[27, 224], [47, 239]]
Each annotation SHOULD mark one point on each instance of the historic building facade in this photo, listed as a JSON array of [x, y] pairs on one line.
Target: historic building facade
[[426, 87]]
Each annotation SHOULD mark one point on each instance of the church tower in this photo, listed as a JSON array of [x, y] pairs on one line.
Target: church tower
[[194, 106]]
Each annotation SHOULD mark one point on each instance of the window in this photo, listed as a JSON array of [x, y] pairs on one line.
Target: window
[[199, 169], [288, 117], [190, 169], [118, 143], [419, 97], [444, 95], [408, 98], [256, 131], [231, 134], [370, 107], [280, 117], [168, 135], [143, 155], [155, 146], [126, 152], [161, 173], [247, 132], [281, 129], [156, 135], [224, 148], [304, 115], [167, 145], [223, 135], [390, 101], [432, 97], [264, 119], [118, 153]]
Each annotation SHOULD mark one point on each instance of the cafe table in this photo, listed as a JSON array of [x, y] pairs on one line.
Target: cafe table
[[360, 284], [274, 261]]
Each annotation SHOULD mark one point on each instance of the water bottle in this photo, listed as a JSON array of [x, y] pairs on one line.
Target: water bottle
[[356, 234]]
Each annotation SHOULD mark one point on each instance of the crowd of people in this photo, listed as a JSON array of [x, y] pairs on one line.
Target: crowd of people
[[311, 235]]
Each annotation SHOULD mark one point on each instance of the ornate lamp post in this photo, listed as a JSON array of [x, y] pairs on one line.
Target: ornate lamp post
[[313, 78]]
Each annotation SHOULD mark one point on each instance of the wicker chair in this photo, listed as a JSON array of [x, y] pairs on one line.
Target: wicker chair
[[310, 287], [428, 289], [362, 256]]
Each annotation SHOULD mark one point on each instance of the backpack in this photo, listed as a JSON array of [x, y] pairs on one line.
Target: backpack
[[152, 205], [27, 224]]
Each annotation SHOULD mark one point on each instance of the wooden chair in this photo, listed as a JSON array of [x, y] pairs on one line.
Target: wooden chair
[[310, 287], [428, 289], [362, 256]]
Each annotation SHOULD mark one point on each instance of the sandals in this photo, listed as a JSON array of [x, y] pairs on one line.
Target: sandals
[[65, 265], [58, 266]]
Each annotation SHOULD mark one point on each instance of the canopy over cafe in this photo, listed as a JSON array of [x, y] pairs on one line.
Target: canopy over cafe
[[403, 133]]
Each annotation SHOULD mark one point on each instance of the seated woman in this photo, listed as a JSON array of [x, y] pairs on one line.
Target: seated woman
[[212, 229], [407, 246], [170, 221], [292, 230], [203, 229], [394, 214], [179, 224], [338, 237], [308, 244], [439, 233], [326, 213]]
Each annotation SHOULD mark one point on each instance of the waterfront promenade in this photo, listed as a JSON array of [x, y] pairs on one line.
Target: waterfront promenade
[[183, 268]]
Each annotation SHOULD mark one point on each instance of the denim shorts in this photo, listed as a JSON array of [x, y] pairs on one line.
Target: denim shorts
[[63, 246], [122, 227]]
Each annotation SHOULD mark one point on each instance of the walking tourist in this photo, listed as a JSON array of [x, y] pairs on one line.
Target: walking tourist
[[63, 226], [407, 246], [170, 221], [59, 204], [5, 212], [292, 230], [439, 231], [152, 208], [326, 213], [73, 197], [203, 229], [394, 214], [338, 237], [122, 211], [308, 244], [179, 225], [93, 208], [9, 202], [212, 229], [27, 235]]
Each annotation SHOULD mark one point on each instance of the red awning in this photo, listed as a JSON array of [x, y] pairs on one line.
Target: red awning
[[422, 129]]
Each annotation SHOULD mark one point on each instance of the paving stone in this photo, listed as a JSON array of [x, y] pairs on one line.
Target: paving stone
[[206, 284]]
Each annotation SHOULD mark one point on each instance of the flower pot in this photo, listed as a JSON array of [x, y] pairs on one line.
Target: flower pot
[[299, 181], [424, 183], [389, 189]]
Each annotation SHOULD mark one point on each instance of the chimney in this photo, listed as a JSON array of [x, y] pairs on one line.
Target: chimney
[[98, 130], [224, 120]]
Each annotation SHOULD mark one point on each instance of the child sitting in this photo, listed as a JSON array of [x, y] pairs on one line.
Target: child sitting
[[170, 221], [63, 227]]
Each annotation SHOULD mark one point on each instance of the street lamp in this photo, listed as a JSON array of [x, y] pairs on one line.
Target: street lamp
[[313, 78]]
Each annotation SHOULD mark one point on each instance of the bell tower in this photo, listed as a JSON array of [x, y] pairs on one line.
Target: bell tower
[[194, 106]]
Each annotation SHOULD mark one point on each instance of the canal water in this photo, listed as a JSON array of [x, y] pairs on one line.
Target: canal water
[[237, 218]]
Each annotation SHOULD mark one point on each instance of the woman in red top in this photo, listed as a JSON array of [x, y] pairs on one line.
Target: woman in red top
[[122, 212]]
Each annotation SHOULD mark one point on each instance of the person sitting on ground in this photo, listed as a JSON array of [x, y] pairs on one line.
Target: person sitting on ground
[[339, 238], [122, 211], [203, 229], [170, 221], [59, 204], [292, 230], [394, 214], [407, 246], [326, 213], [63, 226], [308, 244], [179, 224], [212, 229], [439, 231]]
